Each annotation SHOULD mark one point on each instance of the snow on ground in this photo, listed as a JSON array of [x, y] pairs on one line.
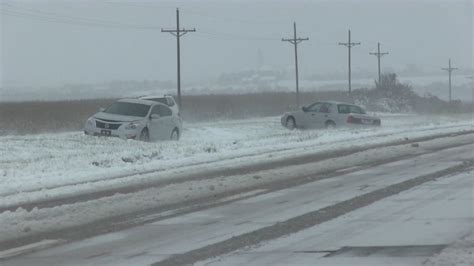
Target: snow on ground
[[186, 232], [460, 253], [22, 222], [439, 212], [46, 161]]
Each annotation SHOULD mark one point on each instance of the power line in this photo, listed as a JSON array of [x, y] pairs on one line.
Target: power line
[[379, 55], [46, 16], [178, 32], [237, 20], [450, 70], [141, 5], [47, 13], [40, 15], [231, 36], [196, 13], [349, 45], [295, 41]]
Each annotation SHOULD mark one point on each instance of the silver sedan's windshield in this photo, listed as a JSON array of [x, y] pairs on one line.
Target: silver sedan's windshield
[[129, 109]]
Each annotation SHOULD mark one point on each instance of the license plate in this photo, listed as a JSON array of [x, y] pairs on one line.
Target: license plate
[[106, 132], [366, 121]]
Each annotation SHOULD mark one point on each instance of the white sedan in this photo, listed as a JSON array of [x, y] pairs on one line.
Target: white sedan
[[328, 115], [135, 119]]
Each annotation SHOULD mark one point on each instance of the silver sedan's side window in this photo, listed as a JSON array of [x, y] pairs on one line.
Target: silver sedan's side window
[[314, 107], [325, 108], [356, 110], [343, 109]]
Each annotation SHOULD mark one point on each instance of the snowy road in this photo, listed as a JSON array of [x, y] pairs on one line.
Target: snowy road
[[364, 216], [406, 229]]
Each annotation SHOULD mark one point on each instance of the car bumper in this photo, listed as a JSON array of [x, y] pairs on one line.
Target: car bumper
[[118, 133]]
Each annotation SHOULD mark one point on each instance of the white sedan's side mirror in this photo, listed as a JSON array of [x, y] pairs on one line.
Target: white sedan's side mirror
[[101, 109], [155, 116]]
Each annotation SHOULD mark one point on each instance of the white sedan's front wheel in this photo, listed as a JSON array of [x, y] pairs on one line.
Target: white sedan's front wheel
[[290, 123], [145, 135]]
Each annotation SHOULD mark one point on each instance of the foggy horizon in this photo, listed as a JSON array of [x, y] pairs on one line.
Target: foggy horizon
[[50, 43]]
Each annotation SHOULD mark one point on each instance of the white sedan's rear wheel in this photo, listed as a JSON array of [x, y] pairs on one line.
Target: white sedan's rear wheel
[[175, 135]]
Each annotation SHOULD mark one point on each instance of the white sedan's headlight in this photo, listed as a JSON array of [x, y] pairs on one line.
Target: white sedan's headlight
[[133, 125], [90, 121]]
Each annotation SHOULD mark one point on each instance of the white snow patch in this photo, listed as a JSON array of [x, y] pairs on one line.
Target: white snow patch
[[460, 253]]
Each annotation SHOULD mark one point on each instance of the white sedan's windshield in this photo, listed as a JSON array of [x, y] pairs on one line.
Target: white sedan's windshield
[[129, 109]]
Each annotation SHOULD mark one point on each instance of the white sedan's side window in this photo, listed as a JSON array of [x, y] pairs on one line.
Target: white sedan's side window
[[164, 111], [155, 110], [161, 110]]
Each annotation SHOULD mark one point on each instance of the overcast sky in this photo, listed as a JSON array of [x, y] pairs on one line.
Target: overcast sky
[[50, 43]]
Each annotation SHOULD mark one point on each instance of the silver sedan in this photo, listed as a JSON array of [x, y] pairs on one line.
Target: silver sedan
[[328, 115]]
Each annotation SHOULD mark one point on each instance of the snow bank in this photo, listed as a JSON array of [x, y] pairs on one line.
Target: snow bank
[[460, 253], [42, 164]]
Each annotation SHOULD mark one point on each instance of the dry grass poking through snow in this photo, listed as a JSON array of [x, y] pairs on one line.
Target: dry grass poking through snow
[[57, 116]]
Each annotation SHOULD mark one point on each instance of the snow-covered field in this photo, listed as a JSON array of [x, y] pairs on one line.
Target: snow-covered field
[[433, 84], [41, 167], [38, 162]]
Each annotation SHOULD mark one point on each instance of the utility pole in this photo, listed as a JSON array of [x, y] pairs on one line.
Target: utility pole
[[349, 45], [450, 70], [295, 41], [379, 55], [472, 95], [178, 32]]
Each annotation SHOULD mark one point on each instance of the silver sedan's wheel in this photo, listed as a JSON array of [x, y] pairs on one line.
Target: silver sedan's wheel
[[330, 125], [175, 135], [290, 123]]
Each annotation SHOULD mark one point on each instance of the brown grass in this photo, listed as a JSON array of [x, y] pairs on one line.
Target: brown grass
[[58, 116]]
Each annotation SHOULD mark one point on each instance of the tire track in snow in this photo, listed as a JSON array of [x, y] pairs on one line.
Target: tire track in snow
[[206, 175]]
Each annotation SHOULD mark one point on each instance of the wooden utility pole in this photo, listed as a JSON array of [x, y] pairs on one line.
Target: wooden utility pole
[[349, 45], [295, 41], [379, 55], [450, 70], [178, 32], [472, 95]]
